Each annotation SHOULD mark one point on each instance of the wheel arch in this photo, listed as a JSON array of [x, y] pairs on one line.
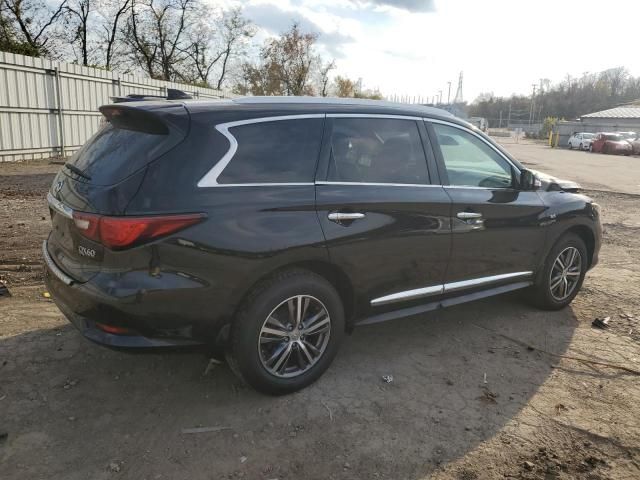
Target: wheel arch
[[587, 236], [325, 269]]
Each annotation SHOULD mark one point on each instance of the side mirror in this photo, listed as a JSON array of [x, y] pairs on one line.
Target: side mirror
[[529, 181]]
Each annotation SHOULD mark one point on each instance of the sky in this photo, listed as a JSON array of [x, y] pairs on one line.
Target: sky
[[414, 47]]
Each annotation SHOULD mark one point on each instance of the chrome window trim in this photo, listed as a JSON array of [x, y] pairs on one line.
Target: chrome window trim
[[468, 130], [59, 207], [445, 288], [210, 179], [389, 116], [327, 182], [53, 267], [292, 184]]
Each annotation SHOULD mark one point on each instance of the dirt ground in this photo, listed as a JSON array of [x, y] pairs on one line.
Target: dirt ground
[[480, 391]]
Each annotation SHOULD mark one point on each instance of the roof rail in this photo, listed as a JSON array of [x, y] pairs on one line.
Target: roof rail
[[172, 94]]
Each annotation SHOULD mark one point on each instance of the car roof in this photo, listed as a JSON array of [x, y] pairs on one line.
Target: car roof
[[299, 105]]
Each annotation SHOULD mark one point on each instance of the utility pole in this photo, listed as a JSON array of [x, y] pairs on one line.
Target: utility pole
[[449, 94], [440, 95], [500, 122], [533, 100], [509, 117]]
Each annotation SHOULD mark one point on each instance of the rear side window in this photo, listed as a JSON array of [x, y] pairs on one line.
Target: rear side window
[[282, 151], [377, 150]]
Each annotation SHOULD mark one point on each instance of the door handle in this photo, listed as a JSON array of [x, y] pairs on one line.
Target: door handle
[[344, 216], [468, 215]]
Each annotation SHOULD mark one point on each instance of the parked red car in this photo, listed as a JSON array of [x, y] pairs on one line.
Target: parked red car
[[610, 143]]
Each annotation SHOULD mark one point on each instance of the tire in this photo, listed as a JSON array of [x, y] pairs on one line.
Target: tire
[[543, 295], [270, 306], [570, 146], [605, 150], [581, 147]]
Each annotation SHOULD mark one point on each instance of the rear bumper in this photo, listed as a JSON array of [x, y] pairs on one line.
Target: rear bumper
[[86, 305]]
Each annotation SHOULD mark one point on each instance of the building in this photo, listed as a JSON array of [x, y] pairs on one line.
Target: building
[[618, 119]]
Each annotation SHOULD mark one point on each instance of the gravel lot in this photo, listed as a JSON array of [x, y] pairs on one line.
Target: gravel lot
[[480, 391]]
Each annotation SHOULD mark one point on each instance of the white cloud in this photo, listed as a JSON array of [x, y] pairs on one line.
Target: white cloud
[[414, 47]]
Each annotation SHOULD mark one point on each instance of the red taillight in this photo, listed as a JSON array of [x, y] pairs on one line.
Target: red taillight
[[112, 329], [121, 232]]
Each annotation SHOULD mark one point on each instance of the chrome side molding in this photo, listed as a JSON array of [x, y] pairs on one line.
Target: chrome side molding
[[446, 288], [407, 295]]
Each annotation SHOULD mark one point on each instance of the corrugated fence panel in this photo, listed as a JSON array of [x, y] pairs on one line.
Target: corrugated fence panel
[[51, 108]]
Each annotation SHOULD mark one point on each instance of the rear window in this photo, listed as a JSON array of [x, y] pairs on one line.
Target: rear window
[[117, 151], [282, 151], [613, 137]]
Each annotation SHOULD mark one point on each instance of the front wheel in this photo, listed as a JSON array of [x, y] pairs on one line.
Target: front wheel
[[563, 273], [581, 147], [287, 332]]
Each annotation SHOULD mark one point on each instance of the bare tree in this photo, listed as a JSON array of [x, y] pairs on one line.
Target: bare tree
[[344, 87], [34, 22], [112, 13], [78, 19], [156, 34], [286, 65], [323, 74]]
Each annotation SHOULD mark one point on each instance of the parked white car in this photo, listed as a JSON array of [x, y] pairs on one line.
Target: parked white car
[[580, 140]]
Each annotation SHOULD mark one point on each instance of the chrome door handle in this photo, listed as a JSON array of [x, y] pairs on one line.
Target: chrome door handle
[[468, 215], [343, 216]]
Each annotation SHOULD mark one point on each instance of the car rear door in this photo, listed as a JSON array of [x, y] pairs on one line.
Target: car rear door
[[496, 230], [384, 214]]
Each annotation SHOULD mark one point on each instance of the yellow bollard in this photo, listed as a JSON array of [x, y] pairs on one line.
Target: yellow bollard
[[551, 138], [557, 138]]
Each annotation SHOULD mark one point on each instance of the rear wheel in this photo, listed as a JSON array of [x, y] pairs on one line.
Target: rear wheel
[[287, 332], [581, 147], [563, 273]]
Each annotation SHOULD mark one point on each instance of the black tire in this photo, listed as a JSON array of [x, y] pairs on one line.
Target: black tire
[[581, 147], [570, 146], [541, 292], [243, 353]]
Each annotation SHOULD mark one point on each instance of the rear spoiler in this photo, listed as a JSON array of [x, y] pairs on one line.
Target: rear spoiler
[[154, 119], [172, 94]]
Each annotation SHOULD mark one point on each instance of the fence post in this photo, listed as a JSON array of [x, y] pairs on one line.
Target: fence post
[[56, 73]]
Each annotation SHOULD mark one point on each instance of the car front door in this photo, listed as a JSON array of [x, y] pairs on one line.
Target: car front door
[[496, 230], [598, 143], [384, 214]]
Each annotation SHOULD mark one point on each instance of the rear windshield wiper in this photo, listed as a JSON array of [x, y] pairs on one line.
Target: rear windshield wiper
[[77, 171]]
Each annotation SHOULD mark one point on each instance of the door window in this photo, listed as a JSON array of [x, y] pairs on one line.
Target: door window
[[471, 162], [377, 150], [282, 151]]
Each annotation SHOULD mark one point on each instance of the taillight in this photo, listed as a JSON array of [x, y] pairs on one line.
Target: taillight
[[118, 233]]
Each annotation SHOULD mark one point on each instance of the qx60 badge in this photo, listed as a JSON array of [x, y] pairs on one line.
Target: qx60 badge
[[86, 252]]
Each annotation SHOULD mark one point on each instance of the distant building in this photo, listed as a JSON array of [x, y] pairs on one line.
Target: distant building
[[626, 117]]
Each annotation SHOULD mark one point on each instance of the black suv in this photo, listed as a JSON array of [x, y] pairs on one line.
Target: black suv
[[266, 228]]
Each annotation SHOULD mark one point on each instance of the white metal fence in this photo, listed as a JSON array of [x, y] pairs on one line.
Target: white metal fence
[[49, 109]]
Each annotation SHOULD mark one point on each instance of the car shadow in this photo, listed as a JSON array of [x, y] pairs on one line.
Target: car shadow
[[76, 410]]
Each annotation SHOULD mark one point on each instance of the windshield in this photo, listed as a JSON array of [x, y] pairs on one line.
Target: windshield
[[588, 135], [613, 136]]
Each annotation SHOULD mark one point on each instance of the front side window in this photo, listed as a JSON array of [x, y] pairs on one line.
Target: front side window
[[282, 151], [377, 150], [471, 162]]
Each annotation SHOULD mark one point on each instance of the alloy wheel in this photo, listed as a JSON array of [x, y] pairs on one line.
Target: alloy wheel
[[294, 336], [565, 273]]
